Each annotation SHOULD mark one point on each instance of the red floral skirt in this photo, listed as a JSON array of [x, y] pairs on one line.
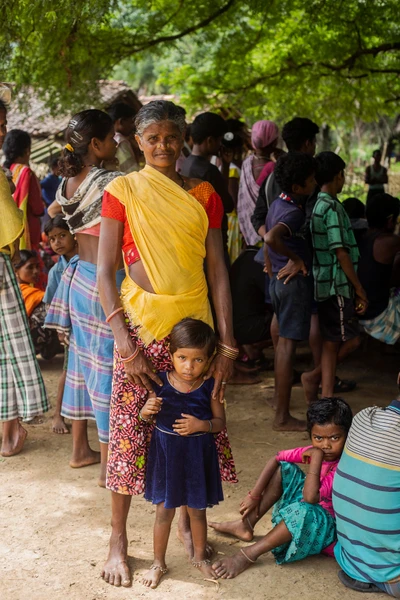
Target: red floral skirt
[[130, 437]]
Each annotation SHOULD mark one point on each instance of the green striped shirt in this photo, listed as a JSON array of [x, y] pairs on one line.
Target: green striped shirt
[[331, 229]]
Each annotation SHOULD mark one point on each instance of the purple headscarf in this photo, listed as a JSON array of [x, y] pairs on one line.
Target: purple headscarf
[[263, 133]]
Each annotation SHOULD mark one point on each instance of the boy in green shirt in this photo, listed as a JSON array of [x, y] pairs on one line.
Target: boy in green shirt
[[337, 288]]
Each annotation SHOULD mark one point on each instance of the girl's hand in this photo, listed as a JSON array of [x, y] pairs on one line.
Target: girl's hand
[[247, 505], [140, 372], [221, 368], [152, 406], [188, 424], [308, 455]]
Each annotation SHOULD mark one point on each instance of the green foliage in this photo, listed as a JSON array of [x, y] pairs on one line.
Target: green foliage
[[332, 60]]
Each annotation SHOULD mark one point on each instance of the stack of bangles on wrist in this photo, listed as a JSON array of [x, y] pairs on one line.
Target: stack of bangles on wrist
[[227, 351]]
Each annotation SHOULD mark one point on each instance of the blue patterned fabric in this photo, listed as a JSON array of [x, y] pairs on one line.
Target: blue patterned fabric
[[311, 526]]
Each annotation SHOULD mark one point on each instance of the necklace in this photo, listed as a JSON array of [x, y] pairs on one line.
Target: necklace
[[180, 383], [182, 180]]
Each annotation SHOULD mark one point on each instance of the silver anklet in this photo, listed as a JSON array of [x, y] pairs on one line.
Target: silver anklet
[[245, 555], [200, 563], [158, 568]]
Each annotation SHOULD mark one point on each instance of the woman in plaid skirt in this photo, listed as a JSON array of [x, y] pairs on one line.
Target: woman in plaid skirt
[[22, 391]]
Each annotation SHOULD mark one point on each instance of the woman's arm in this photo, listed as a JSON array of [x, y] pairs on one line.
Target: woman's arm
[[139, 370], [221, 367], [54, 209]]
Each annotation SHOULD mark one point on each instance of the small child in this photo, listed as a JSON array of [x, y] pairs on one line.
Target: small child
[[337, 288], [63, 243], [27, 271], [183, 467], [303, 517]]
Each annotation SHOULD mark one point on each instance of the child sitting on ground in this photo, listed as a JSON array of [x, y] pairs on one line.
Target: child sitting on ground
[[63, 243], [303, 517], [27, 271], [183, 467]]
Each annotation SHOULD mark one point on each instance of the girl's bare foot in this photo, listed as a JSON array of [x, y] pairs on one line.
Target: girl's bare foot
[[116, 571], [239, 529], [231, 567], [290, 424], [15, 446], [204, 566], [58, 425], [91, 458], [152, 578]]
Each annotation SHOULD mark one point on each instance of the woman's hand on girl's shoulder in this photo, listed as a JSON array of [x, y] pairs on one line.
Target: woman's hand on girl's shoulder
[[140, 372]]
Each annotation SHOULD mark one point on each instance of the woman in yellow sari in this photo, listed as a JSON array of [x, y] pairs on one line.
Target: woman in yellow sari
[[166, 226]]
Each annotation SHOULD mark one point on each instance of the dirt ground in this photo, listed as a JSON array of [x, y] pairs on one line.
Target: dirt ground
[[54, 523]]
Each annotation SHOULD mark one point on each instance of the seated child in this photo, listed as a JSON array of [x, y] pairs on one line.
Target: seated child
[[303, 517], [182, 468], [28, 272], [63, 243]]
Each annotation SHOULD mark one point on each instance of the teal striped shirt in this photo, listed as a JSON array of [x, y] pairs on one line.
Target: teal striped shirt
[[366, 497]]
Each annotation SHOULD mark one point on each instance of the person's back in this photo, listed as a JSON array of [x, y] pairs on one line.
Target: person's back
[[366, 497], [375, 276]]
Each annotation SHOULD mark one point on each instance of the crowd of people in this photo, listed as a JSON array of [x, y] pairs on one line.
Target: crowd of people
[[176, 256]]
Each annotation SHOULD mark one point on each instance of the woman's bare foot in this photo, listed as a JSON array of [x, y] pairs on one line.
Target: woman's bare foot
[[310, 386], [290, 424], [185, 537], [152, 578], [116, 571], [58, 425], [91, 458], [204, 566], [231, 567], [239, 529], [16, 444]]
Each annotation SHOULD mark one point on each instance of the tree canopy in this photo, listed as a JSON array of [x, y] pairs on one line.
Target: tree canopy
[[327, 59]]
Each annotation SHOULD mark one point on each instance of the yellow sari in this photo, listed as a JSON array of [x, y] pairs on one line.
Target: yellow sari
[[11, 221], [169, 228]]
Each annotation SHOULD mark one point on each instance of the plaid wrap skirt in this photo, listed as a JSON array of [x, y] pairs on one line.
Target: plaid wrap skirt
[[22, 391]]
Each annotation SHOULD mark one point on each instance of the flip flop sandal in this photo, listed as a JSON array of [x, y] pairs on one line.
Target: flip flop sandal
[[342, 386], [358, 586]]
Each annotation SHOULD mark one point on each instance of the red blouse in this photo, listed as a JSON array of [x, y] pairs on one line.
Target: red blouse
[[204, 193]]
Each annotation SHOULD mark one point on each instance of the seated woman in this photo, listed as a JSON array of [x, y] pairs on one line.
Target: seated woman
[[379, 269], [28, 271]]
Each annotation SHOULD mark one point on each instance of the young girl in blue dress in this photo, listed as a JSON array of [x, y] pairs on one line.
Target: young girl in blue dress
[[182, 468]]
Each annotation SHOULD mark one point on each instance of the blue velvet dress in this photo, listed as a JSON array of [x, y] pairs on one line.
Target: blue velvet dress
[[183, 470]]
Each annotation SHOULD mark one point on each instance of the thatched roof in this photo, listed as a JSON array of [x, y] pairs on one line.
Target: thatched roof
[[38, 122]]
